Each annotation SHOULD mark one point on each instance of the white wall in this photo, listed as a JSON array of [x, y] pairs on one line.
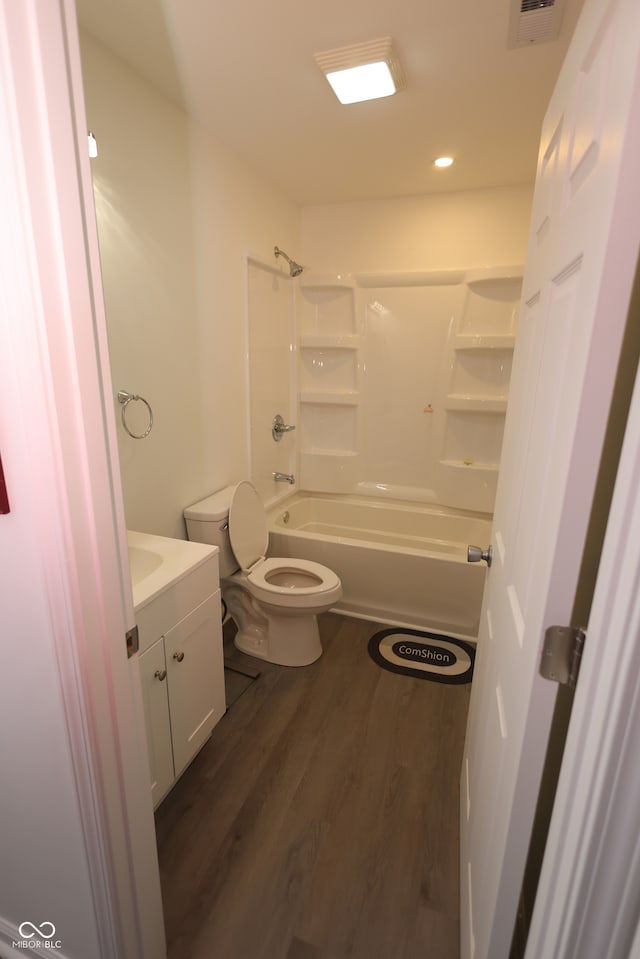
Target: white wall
[[471, 229], [177, 214]]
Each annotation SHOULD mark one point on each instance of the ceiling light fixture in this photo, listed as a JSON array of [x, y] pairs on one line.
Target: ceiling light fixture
[[363, 71], [443, 162]]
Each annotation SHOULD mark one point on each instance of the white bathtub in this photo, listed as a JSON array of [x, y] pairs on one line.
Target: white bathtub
[[399, 562]]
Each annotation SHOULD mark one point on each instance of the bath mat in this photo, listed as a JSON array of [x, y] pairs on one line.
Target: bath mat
[[441, 659]]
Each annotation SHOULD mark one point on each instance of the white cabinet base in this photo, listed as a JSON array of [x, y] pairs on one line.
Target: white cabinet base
[[181, 666]]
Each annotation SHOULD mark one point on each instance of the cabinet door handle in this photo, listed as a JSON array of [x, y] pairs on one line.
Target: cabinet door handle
[[178, 657], [160, 674]]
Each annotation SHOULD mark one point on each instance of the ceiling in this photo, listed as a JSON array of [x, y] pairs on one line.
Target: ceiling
[[246, 71]]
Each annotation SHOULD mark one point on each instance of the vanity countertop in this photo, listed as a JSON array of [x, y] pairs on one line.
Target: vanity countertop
[[158, 562]]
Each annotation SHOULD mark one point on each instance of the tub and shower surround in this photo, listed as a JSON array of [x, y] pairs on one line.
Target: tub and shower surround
[[403, 383]]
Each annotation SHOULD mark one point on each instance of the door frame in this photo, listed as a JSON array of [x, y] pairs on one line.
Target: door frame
[[62, 424]]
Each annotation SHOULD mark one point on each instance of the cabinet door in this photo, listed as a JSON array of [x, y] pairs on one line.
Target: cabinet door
[[195, 670], [153, 679]]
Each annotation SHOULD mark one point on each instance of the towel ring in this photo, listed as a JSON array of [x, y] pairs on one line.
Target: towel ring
[[125, 398]]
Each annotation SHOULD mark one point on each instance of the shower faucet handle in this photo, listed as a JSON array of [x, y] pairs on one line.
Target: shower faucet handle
[[278, 427]]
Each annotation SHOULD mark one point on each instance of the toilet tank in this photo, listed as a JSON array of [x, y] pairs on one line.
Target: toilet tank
[[208, 522]]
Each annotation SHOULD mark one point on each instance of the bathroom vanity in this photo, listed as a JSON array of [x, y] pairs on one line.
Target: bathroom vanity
[[176, 596]]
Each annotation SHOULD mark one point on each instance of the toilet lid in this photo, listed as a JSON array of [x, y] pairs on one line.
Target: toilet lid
[[248, 530]]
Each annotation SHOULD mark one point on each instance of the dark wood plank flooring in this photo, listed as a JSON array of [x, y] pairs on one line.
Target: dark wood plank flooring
[[321, 819]]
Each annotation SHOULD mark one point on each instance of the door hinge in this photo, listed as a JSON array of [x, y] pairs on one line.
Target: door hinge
[[133, 642], [561, 654]]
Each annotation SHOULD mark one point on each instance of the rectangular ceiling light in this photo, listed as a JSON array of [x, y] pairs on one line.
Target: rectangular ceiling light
[[362, 71]]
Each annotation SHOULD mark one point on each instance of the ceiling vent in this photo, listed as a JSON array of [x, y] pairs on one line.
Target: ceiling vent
[[534, 21]]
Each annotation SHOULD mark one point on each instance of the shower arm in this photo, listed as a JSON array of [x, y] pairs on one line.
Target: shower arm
[[278, 252], [294, 268]]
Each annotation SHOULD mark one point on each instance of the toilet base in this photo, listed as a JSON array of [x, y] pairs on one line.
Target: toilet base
[[287, 639]]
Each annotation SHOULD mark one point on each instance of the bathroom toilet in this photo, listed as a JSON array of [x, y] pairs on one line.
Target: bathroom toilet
[[274, 602]]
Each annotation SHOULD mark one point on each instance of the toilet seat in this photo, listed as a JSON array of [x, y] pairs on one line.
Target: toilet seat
[[249, 537], [323, 583]]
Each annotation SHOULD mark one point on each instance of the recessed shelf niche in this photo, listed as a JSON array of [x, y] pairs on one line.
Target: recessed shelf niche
[[482, 373], [326, 368], [326, 427], [327, 308], [473, 438], [491, 307]]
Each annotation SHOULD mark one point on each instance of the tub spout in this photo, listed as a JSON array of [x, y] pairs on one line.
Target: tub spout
[[284, 478]]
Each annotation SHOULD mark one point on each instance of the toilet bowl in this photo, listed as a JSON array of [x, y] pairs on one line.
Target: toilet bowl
[[274, 601]]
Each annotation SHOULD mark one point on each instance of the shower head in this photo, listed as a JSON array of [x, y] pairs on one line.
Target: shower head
[[294, 268]]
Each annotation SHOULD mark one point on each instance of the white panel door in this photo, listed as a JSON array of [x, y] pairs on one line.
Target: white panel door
[[582, 255]]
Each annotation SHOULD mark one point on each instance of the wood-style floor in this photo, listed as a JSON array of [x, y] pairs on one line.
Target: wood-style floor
[[321, 819]]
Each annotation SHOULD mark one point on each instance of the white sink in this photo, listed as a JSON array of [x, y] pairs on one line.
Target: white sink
[[142, 563], [157, 562]]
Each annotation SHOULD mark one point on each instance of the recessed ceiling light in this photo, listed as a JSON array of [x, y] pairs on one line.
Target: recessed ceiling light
[[443, 162], [362, 71]]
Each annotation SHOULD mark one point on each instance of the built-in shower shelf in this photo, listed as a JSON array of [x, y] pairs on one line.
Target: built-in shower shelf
[[495, 277], [329, 453], [411, 278], [330, 397], [481, 341], [321, 282], [478, 404], [470, 466], [337, 342]]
